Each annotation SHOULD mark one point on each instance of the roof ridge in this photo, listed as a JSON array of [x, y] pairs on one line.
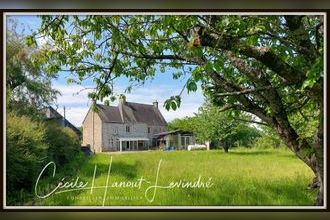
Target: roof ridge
[[140, 103], [131, 112], [126, 102], [107, 105]]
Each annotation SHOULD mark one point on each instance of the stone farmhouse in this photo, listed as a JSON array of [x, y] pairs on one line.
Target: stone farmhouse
[[126, 127]]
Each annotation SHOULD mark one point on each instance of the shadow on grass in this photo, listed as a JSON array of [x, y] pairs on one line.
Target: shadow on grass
[[259, 153], [250, 153], [292, 156]]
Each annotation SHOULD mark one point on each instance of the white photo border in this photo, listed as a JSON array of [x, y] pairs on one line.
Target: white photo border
[[151, 208]]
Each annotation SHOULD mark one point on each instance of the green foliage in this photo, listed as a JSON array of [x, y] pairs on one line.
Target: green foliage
[[191, 86], [267, 141], [97, 41], [26, 153], [246, 135], [306, 120], [31, 142], [219, 127], [30, 145], [173, 102], [147, 44], [25, 108], [314, 74], [185, 124], [26, 81], [63, 143], [30, 41]]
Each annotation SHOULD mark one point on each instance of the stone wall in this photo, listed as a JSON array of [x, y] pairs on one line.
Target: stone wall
[[113, 131], [88, 131]]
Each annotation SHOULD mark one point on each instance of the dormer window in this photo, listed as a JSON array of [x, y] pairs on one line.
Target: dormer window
[[128, 129]]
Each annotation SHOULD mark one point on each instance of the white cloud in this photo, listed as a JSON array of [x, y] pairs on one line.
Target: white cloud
[[77, 105], [72, 95]]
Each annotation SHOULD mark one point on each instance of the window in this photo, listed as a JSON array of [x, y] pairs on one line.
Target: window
[[128, 129], [140, 144], [115, 130], [116, 144], [185, 141], [149, 130], [127, 145], [111, 142]]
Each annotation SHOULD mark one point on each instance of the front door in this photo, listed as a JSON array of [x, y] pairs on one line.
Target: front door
[[126, 146]]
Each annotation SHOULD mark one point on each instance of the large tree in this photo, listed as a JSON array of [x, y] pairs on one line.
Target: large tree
[[269, 66], [224, 129], [28, 86]]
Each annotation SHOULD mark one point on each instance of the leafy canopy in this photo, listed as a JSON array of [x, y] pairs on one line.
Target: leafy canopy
[[270, 66], [26, 81], [103, 48], [227, 128]]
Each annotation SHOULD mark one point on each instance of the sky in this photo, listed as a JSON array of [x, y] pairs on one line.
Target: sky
[[159, 89]]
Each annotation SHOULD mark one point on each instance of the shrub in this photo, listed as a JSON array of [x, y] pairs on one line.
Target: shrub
[[30, 145], [26, 152], [63, 143], [268, 141]]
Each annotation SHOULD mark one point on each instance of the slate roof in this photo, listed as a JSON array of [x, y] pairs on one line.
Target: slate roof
[[130, 112], [109, 113], [52, 114]]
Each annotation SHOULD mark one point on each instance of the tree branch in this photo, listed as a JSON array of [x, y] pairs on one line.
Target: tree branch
[[109, 74], [296, 26], [227, 107], [252, 121], [263, 55], [245, 91]]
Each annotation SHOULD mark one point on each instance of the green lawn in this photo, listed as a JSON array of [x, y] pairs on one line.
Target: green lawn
[[241, 177]]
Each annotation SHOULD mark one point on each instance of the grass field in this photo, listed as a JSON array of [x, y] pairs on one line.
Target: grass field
[[241, 177]]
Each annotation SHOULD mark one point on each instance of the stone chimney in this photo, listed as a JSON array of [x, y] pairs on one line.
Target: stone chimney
[[122, 101], [155, 103]]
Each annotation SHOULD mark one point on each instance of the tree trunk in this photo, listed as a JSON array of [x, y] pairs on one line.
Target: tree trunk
[[320, 186], [318, 181], [319, 159], [313, 160], [225, 148]]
